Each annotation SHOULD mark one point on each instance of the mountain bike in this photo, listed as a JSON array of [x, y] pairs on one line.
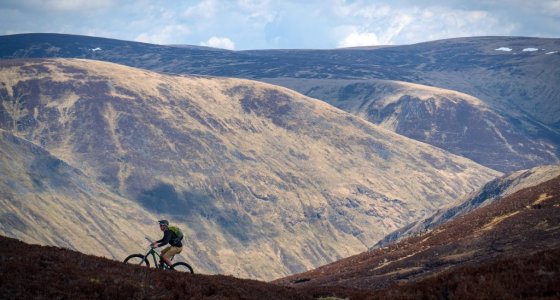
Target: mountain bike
[[143, 260]]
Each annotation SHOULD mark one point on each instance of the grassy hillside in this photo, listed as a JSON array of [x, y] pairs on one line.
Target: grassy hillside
[[264, 181], [507, 245]]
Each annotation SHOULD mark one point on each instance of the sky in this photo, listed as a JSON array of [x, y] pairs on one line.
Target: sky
[[283, 24]]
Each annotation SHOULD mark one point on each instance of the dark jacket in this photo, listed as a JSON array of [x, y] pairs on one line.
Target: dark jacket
[[169, 237]]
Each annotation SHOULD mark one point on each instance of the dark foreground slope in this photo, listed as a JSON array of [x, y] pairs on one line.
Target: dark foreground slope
[[39, 272], [43, 272], [520, 277], [507, 249]]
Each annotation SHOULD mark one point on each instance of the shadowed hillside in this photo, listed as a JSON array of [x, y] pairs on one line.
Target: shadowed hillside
[[45, 200], [456, 122], [265, 181]]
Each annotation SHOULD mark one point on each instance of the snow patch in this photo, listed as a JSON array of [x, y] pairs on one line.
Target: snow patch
[[551, 52], [530, 49], [95, 49], [503, 49], [219, 42]]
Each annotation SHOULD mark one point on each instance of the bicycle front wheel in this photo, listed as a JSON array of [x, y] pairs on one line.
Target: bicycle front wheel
[[182, 267], [137, 259]]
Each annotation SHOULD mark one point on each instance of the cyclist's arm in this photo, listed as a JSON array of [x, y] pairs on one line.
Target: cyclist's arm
[[166, 238]]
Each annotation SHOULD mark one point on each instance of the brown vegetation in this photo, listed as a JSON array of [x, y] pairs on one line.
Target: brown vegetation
[[42, 272], [39, 272], [509, 248], [536, 275]]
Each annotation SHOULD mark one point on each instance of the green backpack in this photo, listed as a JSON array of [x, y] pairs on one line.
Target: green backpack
[[177, 232]]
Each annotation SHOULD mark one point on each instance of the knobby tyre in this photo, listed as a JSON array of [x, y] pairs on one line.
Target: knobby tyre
[[182, 267], [137, 259]]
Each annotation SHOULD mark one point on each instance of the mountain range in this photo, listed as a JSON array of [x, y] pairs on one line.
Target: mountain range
[[257, 174], [527, 132], [290, 163], [454, 121]]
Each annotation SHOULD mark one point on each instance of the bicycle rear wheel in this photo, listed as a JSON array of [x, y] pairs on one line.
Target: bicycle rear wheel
[[182, 267], [137, 259]]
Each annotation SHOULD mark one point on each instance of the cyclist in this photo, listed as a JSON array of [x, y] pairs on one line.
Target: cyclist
[[171, 237]]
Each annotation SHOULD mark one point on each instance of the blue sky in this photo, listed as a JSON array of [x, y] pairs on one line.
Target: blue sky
[[267, 24]]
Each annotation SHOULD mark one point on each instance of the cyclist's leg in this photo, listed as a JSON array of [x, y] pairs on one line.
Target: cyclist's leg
[[163, 256], [170, 253]]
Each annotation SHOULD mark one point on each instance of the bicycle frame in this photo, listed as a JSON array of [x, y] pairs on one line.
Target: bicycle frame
[[154, 253], [158, 261]]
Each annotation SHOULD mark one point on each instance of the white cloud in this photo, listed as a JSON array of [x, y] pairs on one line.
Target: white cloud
[[427, 14], [406, 22], [257, 12], [205, 9], [372, 12], [396, 26], [170, 34], [356, 39], [255, 24], [344, 9], [254, 5], [219, 42]]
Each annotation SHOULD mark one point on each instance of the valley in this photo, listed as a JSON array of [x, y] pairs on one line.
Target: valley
[[257, 175], [404, 171], [507, 249]]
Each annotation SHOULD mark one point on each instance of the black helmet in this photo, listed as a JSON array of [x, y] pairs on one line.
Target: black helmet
[[163, 223]]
